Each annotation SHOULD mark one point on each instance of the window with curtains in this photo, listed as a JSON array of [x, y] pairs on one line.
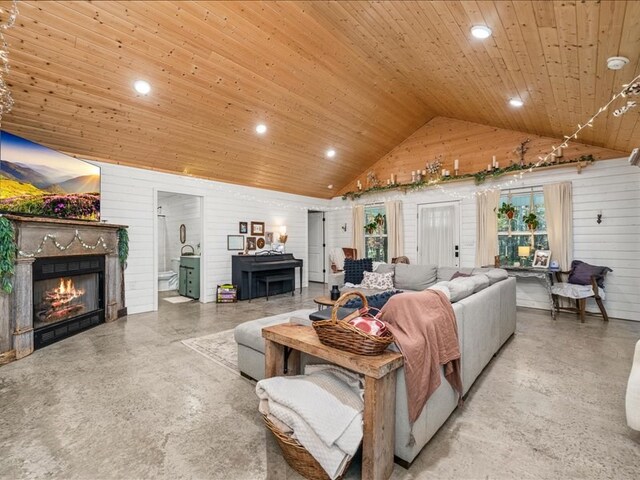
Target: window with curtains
[[375, 238], [525, 202]]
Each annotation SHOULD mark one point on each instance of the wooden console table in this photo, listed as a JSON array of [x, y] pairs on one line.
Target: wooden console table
[[283, 344]]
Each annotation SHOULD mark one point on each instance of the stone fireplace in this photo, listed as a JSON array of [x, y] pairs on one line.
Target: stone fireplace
[[68, 278]]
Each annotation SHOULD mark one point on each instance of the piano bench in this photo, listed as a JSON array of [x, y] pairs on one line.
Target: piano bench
[[278, 278]]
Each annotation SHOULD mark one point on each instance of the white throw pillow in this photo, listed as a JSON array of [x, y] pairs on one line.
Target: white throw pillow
[[377, 281]]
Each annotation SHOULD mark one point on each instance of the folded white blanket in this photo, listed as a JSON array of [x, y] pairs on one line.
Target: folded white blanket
[[323, 409]]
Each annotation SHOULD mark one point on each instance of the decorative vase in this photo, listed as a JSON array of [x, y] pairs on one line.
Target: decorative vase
[[335, 292], [510, 215]]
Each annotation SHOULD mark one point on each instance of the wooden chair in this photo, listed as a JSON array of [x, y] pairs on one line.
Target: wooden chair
[[337, 264], [579, 293]]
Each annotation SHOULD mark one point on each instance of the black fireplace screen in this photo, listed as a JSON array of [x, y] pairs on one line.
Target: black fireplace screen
[[68, 296], [58, 299]]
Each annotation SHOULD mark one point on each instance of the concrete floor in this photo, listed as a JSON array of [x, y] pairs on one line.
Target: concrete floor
[[128, 400]]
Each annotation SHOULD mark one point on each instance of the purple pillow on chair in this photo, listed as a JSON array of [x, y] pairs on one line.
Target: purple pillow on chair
[[581, 273]]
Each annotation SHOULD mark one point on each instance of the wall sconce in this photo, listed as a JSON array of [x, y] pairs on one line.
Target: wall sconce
[[344, 227], [599, 217]]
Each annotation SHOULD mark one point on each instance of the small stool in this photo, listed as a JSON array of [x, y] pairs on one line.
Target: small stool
[[278, 278]]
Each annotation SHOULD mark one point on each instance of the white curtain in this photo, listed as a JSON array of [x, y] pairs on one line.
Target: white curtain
[[395, 229], [358, 230], [436, 236], [558, 207], [487, 227]]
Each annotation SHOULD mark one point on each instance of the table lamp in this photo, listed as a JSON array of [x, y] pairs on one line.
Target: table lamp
[[283, 236], [523, 253]]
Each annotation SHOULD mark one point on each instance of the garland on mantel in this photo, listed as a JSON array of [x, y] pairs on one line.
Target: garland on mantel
[[479, 177], [7, 254], [100, 242]]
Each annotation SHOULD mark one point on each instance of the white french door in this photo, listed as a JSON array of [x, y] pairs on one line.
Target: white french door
[[439, 234], [316, 247]]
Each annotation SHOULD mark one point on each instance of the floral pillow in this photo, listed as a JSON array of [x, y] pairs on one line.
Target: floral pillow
[[378, 281]]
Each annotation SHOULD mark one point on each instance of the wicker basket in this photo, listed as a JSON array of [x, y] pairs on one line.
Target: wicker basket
[[340, 334], [298, 457]]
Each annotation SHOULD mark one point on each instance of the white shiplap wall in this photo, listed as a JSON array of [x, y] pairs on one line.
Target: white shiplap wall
[[612, 186], [129, 196]]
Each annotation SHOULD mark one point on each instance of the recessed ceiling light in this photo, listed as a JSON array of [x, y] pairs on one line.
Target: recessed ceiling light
[[261, 128], [330, 186], [516, 102], [331, 153], [481, 31], [142, 87]]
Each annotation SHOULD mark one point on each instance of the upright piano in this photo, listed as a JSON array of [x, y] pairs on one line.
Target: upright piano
[[248, 271]]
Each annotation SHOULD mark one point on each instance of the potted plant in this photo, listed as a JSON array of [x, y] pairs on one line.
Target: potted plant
[[532, 221], [375, 224], [507, 209]]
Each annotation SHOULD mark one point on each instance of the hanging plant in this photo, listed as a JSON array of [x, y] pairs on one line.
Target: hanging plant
[[7, 255], [375, 224], [123, 245], [532, 221], [507, 209]]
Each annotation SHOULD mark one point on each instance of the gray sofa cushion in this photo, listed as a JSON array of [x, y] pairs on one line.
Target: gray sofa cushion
[[481, 281], [496, 275], [250, 333], [415, 277], [386, 268], [460, 288]]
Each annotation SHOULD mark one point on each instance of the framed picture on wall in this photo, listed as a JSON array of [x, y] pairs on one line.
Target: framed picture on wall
[[541, 259], [244, 227], [235, 242], [251, 243], [268, 238], [257, 228]]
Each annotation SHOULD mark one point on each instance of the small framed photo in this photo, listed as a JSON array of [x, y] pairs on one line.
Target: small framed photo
[[235, 242], [268, 238], [541, 259], [243, 227], [257, 228], [251, 243]]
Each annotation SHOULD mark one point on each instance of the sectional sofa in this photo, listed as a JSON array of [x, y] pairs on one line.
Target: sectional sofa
[[485, 309]]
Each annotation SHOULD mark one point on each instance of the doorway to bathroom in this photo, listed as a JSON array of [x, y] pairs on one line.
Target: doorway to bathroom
[[179, 234]]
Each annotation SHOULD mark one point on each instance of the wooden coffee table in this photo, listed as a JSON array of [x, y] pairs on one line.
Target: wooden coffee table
[[324, 301], [283, 344]]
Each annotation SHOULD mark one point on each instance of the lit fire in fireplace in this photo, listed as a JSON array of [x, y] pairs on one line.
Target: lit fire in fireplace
[[60, 302]]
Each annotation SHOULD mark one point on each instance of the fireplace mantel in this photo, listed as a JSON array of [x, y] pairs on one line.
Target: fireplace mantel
[[38, 237]]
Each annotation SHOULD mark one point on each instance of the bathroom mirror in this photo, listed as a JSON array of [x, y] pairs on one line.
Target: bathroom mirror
[[183, 233]]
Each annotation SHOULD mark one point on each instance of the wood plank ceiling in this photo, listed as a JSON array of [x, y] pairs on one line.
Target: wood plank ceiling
[[359, 77]]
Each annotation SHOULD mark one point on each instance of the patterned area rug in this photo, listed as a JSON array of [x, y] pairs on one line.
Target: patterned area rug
[[218, 347]]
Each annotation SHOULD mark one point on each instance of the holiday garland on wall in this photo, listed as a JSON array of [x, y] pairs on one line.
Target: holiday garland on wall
[[7, 254], [123, 246], [479, 177]]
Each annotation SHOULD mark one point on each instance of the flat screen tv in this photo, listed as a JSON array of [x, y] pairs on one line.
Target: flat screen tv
[[36, 180]]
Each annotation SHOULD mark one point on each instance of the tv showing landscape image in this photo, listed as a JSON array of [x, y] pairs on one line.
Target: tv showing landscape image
[[37, 180]]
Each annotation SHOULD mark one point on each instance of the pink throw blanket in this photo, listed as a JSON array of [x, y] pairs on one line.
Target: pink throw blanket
[[425, 330]]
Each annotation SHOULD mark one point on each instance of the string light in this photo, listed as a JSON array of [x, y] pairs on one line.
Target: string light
[[6, 100], [631, 88], [100, 242]]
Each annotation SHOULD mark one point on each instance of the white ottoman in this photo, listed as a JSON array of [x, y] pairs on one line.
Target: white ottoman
[[248, 336], [632, 401]]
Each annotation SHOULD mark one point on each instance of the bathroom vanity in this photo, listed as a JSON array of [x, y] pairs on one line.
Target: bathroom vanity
[[189, 277]]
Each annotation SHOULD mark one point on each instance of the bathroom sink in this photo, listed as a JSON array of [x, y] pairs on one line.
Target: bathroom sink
[[190, 255]]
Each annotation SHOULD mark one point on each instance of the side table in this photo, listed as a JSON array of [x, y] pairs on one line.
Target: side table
[[324, 301], [283, 344]]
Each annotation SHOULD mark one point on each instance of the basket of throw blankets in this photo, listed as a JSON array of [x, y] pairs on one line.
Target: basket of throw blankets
[[360, 332], [316, 418]]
